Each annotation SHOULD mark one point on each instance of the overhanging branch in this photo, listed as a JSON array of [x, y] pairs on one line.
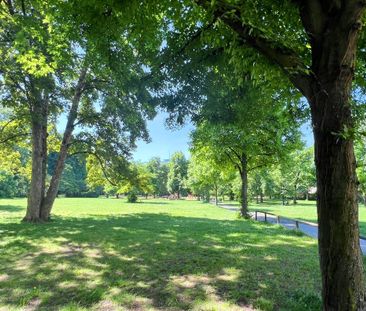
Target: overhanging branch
[[272, 50], [104, 170]]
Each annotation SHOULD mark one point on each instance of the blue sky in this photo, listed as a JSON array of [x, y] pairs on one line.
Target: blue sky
[[164, 141]]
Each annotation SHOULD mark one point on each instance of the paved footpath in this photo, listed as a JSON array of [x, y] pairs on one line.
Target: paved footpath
[[310, 229]]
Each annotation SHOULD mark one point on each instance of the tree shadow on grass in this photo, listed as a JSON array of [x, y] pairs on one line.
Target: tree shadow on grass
[[11, 208], [144, 261]]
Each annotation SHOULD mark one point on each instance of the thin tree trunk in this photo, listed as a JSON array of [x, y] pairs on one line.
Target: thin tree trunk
[[295, 195], [56, 177], [261, 197], [244, 188], [216, 196], [44, 146]]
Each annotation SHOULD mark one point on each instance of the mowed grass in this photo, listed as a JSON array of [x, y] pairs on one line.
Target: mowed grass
[[303, 210], [105, 254]]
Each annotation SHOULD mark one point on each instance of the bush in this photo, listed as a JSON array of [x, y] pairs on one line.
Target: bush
[[132, 197]]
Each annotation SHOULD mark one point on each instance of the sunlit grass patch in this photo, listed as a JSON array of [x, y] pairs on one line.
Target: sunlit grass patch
[[177, 255]]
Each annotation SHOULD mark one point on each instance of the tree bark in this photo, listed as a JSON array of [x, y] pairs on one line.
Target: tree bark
[[39, 114], [37, 184], [295, 195], [339, 248], [244, 187], [56, 177], [216, 196], [333, 65]]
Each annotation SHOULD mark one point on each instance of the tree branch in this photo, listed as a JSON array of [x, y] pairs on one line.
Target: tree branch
[[100, 163], [236, 154], [11, 137], [9, 3], [273, 51], [234, 162]]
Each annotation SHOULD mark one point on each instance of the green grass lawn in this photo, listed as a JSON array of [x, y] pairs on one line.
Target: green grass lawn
[[105, 254], [303, 210]]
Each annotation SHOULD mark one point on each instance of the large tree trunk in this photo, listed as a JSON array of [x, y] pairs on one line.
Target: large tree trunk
[[39, 114], [37, 184], [56, 177], [333, 65], [339, 248]]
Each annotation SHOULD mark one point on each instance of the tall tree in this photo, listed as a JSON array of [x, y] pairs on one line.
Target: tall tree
[[54, 63], [311, 46], [178, 166], [159, 172], [244, 124], [245, 148], [204, 173], [298, 172]]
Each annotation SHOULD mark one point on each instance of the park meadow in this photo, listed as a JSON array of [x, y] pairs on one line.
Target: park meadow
[[138, 138], [157, 254]]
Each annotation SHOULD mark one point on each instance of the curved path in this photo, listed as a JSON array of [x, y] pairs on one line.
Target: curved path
[[308, 228]]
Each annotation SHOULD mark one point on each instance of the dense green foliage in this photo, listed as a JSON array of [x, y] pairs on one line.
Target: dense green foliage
[[177, 174]]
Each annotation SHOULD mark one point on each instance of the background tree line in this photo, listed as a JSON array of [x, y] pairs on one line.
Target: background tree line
[[206, 175]]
